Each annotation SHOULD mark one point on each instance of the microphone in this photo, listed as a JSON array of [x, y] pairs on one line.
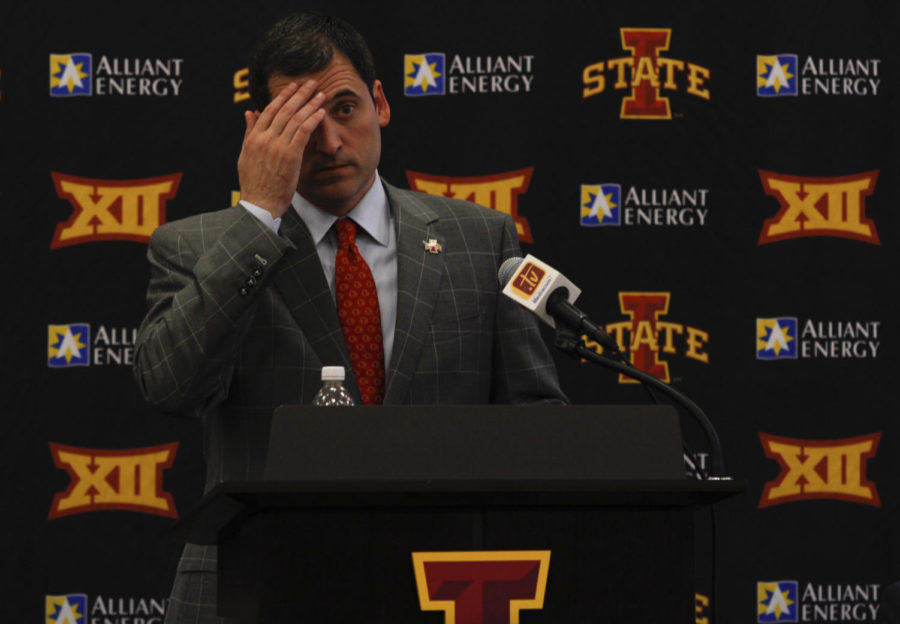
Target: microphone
[[548, 294]]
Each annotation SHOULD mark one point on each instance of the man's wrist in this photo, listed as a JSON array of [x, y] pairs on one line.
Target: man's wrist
[[270, 220]]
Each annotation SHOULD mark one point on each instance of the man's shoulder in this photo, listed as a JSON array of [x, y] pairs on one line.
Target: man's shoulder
[[430, 206]]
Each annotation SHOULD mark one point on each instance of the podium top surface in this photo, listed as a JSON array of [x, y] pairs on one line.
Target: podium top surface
[[229, 502], [462, 457], [500, 442]]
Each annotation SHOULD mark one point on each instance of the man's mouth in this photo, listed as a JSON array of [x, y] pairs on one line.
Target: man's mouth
[[332, 167]]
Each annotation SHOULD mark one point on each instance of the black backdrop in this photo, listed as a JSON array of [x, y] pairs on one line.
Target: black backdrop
[[828, 546]]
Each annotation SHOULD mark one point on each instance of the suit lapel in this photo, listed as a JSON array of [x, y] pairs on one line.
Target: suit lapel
[[301, 282], [418, 279]]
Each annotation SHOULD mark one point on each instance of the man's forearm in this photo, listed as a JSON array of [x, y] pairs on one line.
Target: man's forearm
[[201, 306]]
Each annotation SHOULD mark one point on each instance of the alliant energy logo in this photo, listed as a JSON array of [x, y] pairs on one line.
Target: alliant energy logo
[[776, 75], [487, 587], [776, 601], [101, 480], [820, 469], [794, 601], [787, 337], [430, 73], [66, 609], [816, 206], [70, 74], [126, 210], [776, 338], [645, 74], [424, 74], [70, 345], [499, 191], [647, 335], [77, 609], [74, 73], [779, 75], [67, 345], [606, 205]]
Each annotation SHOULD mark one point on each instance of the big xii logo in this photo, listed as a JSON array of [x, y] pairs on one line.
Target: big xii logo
[[649, 335], [815, 469], [488, 587], [126, 210], [645, 74], [498, 191], [819, 207], [127, 479]]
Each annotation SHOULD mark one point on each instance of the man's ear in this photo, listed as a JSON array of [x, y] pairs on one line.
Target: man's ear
[[382, 108]]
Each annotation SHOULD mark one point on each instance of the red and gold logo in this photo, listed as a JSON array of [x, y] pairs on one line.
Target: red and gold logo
[[527, 280], [112, 209], [127, 479], [648, 334], [499, 191], [241, 84], [481, 587], [701, 609], [811, 469], [819, 207], [646, 72]]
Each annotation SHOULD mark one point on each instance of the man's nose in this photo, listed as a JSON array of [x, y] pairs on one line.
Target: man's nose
[[327, 137]]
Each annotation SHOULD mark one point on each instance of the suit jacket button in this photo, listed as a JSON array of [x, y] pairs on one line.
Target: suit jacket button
[[251, 281], [257, 272], [243, 291]]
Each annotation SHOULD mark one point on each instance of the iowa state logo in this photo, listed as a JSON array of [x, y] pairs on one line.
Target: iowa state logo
[[647, 335], [815, 206], [499, 191], [645, 74], [481, 587], [126, 479], [128, 210], [814, 469]]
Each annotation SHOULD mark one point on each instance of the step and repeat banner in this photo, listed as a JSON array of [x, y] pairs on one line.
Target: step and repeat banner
[[719, 179]]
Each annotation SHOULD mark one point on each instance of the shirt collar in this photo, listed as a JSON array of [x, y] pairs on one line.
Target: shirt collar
[[372, 214]]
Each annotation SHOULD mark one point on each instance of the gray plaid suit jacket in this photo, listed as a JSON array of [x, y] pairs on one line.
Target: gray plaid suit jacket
[[241, 320]]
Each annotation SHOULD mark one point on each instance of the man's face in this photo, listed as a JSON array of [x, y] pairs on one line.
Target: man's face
[[342, 153]]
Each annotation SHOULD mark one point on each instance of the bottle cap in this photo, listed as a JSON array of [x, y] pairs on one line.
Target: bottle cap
[[332, 373]]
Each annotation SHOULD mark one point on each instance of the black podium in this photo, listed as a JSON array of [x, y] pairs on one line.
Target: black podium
[[465, 515]]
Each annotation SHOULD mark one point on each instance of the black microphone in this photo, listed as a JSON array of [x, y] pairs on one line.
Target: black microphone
[[548, 294]]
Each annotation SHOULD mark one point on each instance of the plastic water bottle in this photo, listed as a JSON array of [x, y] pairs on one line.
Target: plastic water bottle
[[333, 392]]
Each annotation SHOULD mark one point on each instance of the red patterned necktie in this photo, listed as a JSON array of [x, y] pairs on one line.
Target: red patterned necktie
[[357, 303]]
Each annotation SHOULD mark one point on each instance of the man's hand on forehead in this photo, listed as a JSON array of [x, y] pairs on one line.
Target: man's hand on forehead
[[274, 141]]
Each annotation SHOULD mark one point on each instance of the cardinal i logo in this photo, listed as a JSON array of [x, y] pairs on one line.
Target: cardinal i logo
[[648, 335], [645, 74], [485, 587]]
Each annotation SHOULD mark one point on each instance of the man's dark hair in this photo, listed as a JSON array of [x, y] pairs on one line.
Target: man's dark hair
[[305, 43]]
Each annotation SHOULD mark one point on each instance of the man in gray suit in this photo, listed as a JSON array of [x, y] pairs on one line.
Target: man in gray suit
[[242, 306]]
